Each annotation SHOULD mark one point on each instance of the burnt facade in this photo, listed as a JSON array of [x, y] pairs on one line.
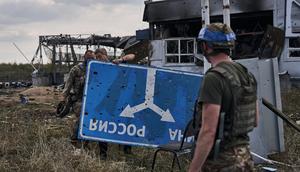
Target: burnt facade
[[267, 43], [174, 24]]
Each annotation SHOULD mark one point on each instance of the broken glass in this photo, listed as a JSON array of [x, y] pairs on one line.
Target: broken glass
[[172, 46], [187, 59], [186, 46], [172, 59], [294, 48]]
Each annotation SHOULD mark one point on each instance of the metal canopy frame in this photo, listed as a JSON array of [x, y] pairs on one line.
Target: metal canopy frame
[[52, 42], [61, 39]]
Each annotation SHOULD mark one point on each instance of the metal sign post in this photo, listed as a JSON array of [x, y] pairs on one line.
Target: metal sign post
[[205, 22], [137, 105], [226, 12]]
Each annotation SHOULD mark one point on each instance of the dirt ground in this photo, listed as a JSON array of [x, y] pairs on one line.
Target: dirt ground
[[291, 156], [34, 139]]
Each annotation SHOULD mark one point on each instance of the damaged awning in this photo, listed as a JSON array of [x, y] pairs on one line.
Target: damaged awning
[[172, 10]]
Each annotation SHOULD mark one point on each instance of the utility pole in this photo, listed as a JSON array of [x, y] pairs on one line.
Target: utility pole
[[226, 12], [205, 22], [35, 69]]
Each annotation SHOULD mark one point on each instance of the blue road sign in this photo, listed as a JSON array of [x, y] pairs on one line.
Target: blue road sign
[[137, 105]]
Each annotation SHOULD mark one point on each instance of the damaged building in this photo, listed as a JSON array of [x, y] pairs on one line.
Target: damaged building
[[174, 26], [267, 44]]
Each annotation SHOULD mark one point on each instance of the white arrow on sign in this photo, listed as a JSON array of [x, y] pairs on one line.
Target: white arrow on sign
[[149, 103]]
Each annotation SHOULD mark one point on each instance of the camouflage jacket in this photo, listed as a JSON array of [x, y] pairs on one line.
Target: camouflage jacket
[[75, 82]]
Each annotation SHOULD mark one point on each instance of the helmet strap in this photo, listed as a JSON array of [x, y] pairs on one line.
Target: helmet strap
[[205, 53]]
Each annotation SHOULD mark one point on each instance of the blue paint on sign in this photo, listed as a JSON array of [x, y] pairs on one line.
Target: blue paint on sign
[[137, 105]]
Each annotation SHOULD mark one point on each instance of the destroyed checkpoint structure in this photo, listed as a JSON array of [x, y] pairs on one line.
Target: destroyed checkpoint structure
[[174, 25], [268, 43]]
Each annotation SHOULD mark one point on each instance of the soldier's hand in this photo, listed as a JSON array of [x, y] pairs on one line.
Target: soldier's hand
[[117, 61]]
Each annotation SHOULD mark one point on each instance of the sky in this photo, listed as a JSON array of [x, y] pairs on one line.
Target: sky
[[22, 21]]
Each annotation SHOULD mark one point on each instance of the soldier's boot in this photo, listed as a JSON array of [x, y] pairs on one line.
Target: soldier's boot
[[127, 149], [75, 142], [103, 150]]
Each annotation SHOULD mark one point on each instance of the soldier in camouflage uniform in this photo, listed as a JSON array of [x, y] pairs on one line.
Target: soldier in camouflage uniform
[[227, 87], [101, 55], [74, 89]]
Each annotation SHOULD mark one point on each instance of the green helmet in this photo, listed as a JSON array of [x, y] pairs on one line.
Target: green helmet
[[218, 35]]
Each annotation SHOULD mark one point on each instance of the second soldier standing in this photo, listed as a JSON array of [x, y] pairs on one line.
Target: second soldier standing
[[74, 89]]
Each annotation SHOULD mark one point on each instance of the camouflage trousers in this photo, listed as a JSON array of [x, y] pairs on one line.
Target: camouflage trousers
[[78, 143], [237, 159], [74, 136]]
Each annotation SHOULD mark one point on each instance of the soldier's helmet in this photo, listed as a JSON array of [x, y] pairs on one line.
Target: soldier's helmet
[[218, 35]]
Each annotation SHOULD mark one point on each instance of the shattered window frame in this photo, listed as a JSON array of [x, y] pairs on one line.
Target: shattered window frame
[[293, 48], [176, 57]]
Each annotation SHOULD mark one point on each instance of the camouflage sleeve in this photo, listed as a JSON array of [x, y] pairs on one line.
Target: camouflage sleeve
[[69, 83]]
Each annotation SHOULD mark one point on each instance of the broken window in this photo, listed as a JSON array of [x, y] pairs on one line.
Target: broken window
[[294, 47], [172, 47], [172, 59], [180, 50], [295, 17], [187, 46], [292, 22]]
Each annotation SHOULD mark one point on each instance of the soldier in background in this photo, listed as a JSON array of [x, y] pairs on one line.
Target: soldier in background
[[74, 90], [101, 55]]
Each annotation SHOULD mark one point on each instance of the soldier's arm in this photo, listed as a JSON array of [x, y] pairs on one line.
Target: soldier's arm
[[125, 58], [206, 136], [128, 57], [69, 83]]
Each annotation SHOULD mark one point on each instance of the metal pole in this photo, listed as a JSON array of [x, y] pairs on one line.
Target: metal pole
[[40, 46], [35, 55], [281, 115], [67, 57], [226, 12], [115, 52], [73, 54], [151, 34], [151, 31], [205, 22], [53, 65], [205, 12], [24, 55]]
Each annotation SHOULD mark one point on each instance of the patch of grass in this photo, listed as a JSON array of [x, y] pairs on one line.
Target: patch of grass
[[290, 106], [33, 139]]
